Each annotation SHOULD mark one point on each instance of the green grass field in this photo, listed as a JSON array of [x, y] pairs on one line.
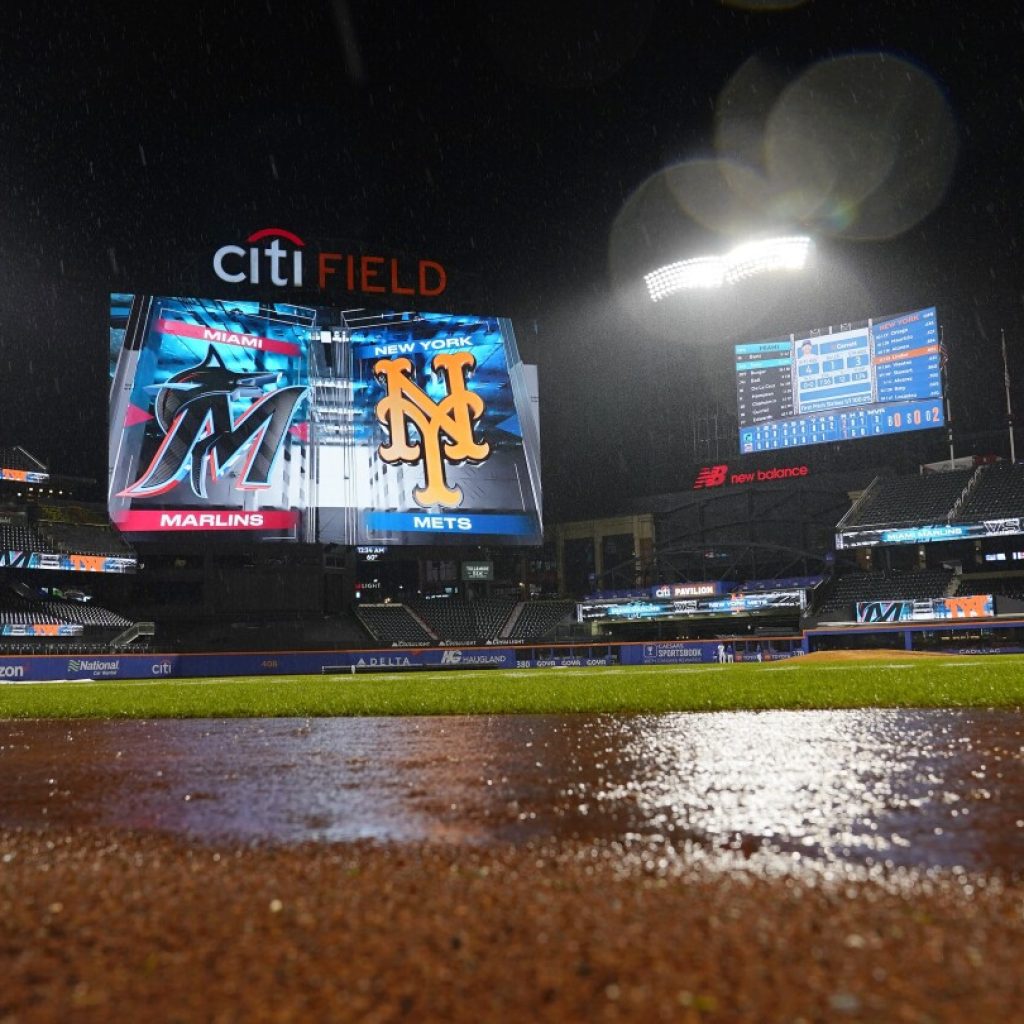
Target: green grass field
[[932, 682]]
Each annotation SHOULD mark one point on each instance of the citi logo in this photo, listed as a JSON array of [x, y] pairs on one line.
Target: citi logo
[[248, 263], [162, 668], [12, 671], [274, 256]]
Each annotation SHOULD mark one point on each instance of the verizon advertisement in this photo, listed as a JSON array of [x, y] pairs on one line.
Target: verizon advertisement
[[311, 423]]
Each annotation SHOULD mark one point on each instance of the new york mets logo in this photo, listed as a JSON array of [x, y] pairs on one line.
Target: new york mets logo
[[443, 430], [193, 409]]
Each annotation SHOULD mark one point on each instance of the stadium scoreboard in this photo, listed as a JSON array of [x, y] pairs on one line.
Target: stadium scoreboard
[[862, 380], [364, 428]]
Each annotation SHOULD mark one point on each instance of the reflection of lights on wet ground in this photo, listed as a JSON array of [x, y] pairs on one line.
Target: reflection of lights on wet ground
[[883, 787], [867, 790]]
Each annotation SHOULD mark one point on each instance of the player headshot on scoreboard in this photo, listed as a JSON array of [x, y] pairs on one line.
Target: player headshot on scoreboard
[[806, 358]]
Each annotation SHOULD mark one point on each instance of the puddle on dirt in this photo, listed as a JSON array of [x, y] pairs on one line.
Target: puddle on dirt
[[916, 789]]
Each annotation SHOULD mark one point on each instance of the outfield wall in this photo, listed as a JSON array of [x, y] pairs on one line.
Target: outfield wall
[[41, 668], [992, 637], [186, 666]]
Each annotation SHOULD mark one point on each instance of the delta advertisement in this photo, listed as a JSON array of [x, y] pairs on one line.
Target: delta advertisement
[[310, 423]]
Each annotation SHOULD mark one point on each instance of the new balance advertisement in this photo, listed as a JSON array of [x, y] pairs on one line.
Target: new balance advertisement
[[310, 423]]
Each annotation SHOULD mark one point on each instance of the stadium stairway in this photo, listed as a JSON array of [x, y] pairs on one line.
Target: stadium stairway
[[964, 497], [506, 630], [136, 630], [423, 625]]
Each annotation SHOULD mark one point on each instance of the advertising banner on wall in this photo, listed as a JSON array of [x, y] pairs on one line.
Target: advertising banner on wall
[[312, 423], [60, 562], [930, 534], [970, 606], [168, 666], [41, 629], [655, 608]]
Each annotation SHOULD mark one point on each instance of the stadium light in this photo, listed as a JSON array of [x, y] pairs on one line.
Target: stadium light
[[747, 260]]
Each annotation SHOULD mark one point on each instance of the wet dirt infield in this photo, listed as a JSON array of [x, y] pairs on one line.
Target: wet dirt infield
[[816, 866]]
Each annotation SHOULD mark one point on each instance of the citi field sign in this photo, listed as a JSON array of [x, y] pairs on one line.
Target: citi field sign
[[281, 259]]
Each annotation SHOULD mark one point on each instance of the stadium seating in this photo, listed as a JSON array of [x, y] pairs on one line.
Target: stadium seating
[[21, 537], [393, 624], [998, 494], [895, 501], [448, 618], [492, 615], [454, 621], [538, 620], [845, 591], [84, 614], [15, 646], [958, 496], [457, 621], [1002, 586], [72, 538], [18, 607], [16, 457]]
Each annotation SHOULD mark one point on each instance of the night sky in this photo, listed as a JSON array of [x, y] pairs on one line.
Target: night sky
[[548, 154]]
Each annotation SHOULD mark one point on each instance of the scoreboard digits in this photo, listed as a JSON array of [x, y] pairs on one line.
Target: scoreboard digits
[[865, 380]]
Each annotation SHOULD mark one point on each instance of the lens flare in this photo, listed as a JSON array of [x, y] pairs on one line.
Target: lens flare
[[750, 259]]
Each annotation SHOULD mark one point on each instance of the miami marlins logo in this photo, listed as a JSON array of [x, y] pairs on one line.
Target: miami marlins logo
[[193, 409], [444, 429]]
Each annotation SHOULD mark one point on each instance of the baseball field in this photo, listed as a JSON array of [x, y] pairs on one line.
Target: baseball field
[[847, 679]]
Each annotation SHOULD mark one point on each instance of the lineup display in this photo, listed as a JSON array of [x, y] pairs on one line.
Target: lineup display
[[315, 424], [867, 379]]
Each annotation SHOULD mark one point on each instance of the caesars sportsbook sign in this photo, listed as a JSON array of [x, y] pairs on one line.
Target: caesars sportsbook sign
[[314, 423]]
